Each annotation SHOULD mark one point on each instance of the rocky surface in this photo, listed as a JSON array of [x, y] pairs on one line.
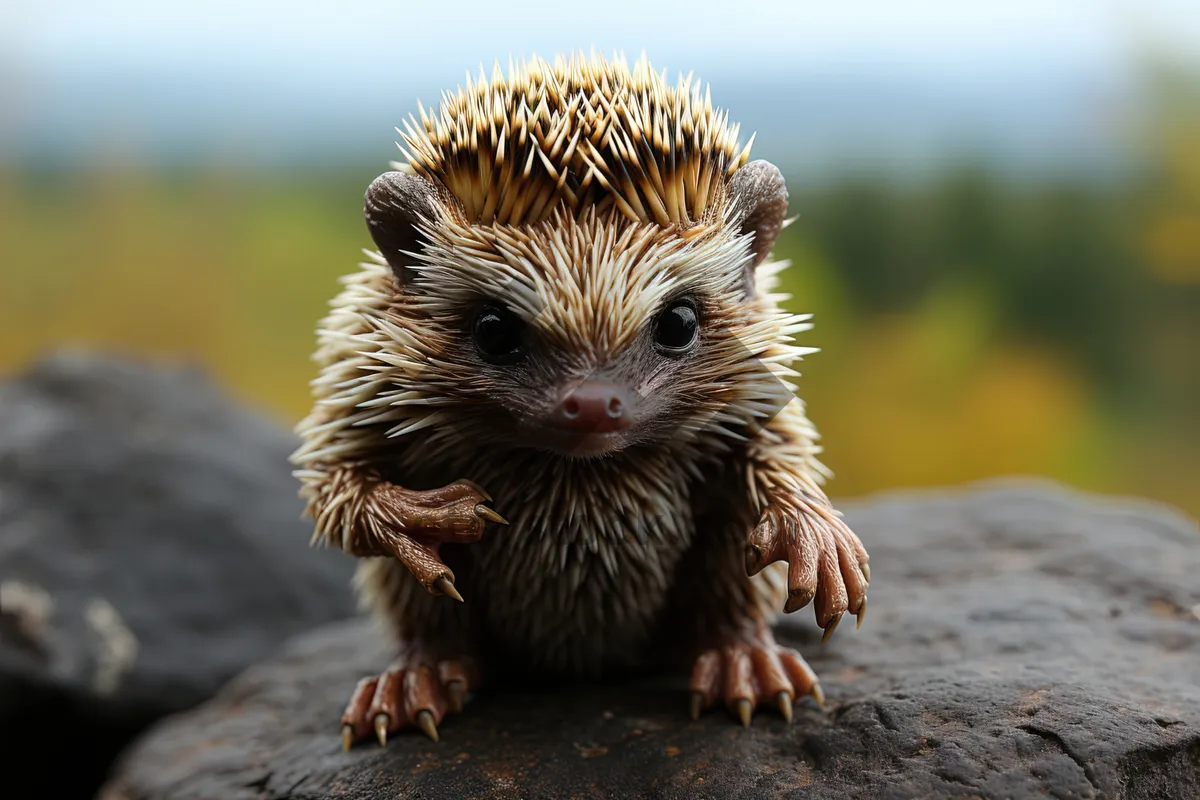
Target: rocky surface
[[1023, 641], [151, 547]]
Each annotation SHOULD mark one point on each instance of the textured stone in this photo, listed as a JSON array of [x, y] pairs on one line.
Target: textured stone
[[151, 547], [1022, 641]]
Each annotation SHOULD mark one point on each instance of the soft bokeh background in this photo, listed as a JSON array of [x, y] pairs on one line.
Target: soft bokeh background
[[999, 203]]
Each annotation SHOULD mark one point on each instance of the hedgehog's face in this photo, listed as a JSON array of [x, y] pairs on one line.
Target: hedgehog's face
[[584, 336], [592, 399]]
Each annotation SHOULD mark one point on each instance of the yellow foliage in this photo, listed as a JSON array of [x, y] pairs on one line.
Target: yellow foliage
[[1172, 245], [900, 414]]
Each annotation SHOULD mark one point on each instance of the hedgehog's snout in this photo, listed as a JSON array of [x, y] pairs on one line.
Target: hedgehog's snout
[[595, 407]]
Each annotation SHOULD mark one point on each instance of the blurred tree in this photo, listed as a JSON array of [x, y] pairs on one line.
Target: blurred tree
[[874, 239], [1168, 211], [1072, 281], [1170, 150]]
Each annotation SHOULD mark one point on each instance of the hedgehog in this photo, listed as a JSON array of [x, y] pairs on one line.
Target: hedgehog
[[556, 416]]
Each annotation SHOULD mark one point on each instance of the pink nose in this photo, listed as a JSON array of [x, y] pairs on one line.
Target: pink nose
[[594, 407]]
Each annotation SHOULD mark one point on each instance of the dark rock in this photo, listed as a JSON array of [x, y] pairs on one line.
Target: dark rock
[[151, 547], [1023, 641]]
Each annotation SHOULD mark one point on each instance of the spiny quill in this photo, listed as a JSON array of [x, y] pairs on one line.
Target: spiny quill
[[583, 132]]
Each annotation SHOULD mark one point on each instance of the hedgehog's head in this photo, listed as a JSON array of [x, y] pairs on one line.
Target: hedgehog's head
[[580, 248]]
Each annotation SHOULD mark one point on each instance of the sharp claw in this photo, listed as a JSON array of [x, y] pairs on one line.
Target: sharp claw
[[478, 489], [866, 570], [818, 694], [862, 612], [487, 513], [425, 722], [446, 587], [753, 556], [785, 705], [696, 705], [830, 628], [797, 601], [744, 710], [381, 726], [455, 691], [347, 737]]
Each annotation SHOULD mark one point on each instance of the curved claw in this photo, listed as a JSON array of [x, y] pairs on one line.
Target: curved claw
[[425, 722], [347, 737], [381, 726], [446, 587], [784, 700], [744, 709], [478, 489], [797, 600], [483, 511], [866, 570], [829, 629], [862, 612]]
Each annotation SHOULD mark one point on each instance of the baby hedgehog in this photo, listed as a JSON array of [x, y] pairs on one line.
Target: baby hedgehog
[[571, 311]]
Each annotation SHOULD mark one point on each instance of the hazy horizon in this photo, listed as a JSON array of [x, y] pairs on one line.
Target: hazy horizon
[[1027, 84]]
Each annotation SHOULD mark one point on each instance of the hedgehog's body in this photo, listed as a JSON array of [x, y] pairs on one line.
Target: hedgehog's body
[[561, 607], [572, 309]]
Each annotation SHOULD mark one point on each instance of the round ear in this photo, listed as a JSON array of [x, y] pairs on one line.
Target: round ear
[[759, 201], [394, 205]]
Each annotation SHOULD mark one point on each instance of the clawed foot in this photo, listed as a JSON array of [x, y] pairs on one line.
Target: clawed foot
[[747, 674], [412, 525], [412, 691], [826, 561]]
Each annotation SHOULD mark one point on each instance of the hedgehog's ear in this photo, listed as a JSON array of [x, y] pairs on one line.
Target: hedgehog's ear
[[395, 203], [759, 201]]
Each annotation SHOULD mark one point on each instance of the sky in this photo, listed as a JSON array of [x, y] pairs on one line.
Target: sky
[[308, 37], [270, 79]]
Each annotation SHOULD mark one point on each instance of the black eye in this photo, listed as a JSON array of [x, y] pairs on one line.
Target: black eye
[[497, 334], [676, 329]]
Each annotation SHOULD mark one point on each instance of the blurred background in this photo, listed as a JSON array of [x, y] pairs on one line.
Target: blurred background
[[999, 203]]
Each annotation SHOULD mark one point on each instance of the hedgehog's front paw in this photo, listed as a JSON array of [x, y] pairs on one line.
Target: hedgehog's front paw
[[412, 525], [414, 690], [826, 561], [453, 513], [749, 671]]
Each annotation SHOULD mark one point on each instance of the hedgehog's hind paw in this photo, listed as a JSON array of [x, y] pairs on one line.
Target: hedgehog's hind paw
[[412, 691], [747, 674]]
